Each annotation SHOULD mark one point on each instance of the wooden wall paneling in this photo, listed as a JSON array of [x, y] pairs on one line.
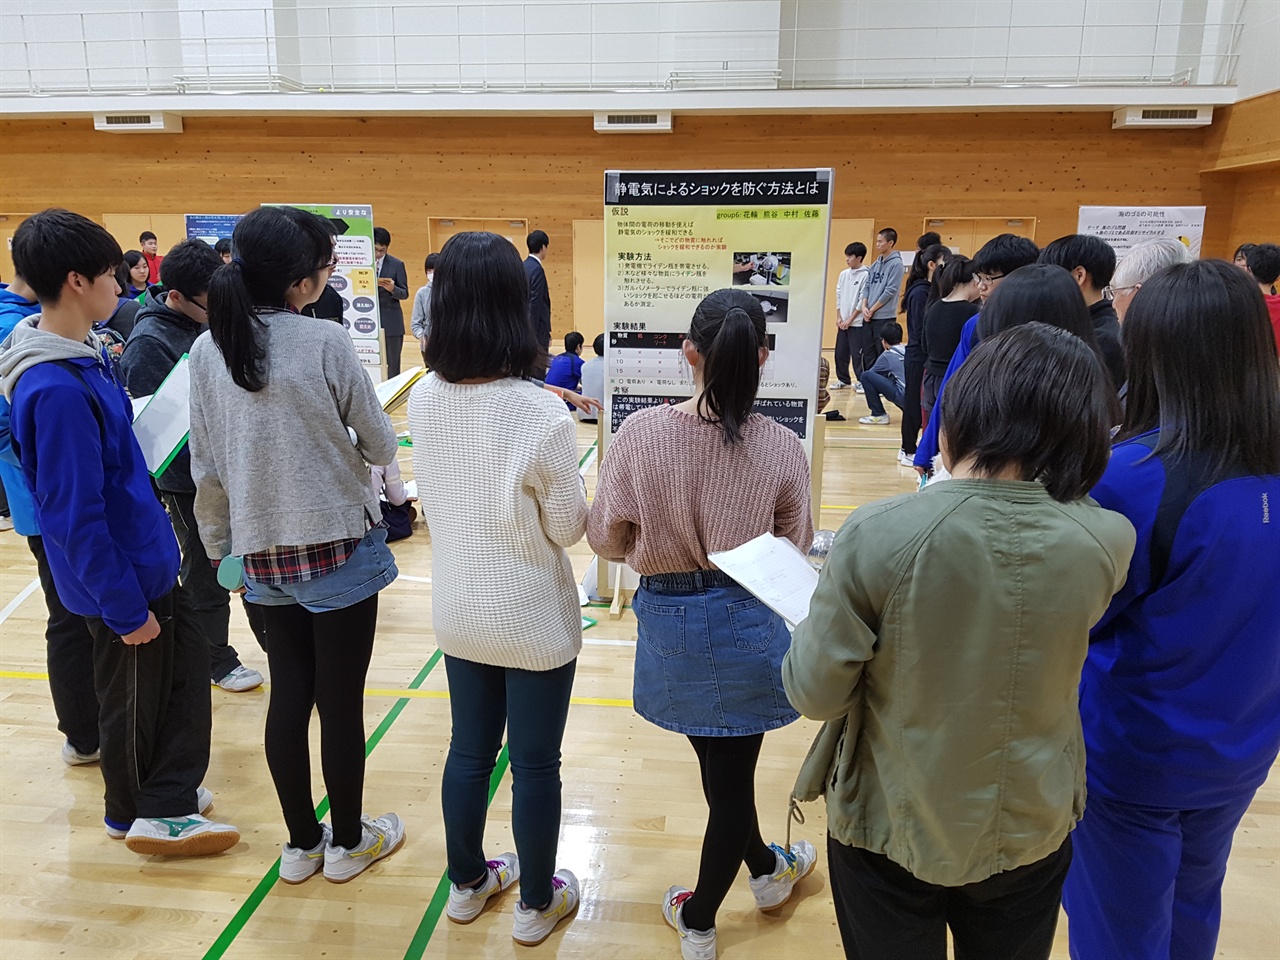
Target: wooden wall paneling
[[588, 280], [1245, 134], [1256, 209], [843, 233], [8, 224], [1043, 165], [169, 228], [440, 229]]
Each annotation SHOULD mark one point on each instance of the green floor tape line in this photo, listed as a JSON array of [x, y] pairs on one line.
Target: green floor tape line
[[247, 909], [422, 936]]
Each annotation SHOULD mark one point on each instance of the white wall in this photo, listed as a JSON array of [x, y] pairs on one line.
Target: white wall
[[1259, 67]]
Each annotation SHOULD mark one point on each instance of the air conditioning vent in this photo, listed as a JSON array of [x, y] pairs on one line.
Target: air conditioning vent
[[137, 122], [657, 122], [1129, 118]]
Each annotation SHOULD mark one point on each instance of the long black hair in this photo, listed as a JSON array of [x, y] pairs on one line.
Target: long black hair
[[920, 269], [728, 328], [958, 270], [1203, 368], [480, 324], [276, 247], [1036, 398]]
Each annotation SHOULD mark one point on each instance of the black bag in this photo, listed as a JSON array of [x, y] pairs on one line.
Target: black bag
[[399, 520]]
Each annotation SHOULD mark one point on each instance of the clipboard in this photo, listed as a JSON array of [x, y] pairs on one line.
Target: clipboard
[[163, 424]]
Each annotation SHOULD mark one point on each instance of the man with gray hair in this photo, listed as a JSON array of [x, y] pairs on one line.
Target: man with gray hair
[[1144, 259]]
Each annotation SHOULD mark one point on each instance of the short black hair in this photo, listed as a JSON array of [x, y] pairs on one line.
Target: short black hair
[[430, 263], [1037, 293], [222, 246], [598, 344], [188, 266], [146, 235], [573, 340], [1037, 398], [382, 236], [1243, 250], [1203, 369], [537, 240], [1264, 262], [892, 333], [1004, 254], [889, 234], [480, 324], [53, 243], [856, 249], [1083, 250], [927, 240]]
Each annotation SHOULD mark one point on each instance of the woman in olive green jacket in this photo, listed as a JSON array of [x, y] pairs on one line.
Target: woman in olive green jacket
[[944, 646]]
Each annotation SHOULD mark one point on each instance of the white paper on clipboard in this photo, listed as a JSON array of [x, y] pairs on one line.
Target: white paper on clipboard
[[164, 423], [775, 571]]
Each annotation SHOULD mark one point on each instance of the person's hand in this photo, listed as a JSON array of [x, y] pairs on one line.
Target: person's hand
[[585, 404], [866, 313], [386, 283], [145, 633], [920, 471], [844, 324]]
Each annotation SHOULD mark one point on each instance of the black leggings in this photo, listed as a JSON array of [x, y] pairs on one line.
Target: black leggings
[[733, 832], [319, 660]]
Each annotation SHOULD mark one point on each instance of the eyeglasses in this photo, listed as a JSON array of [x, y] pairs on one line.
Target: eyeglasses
[[1110, 292], [987, 281], [198, 304]]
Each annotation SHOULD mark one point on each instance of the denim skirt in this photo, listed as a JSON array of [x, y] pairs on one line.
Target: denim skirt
[[370, 567], [708, 657]]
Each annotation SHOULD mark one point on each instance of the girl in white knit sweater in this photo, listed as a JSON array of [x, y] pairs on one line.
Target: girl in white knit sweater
[[495, 459]]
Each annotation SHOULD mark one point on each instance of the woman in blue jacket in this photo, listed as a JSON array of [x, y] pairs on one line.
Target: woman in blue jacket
[[1180, 696]]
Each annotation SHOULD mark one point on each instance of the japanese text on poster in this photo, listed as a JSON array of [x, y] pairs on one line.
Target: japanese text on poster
[[1122, 227]]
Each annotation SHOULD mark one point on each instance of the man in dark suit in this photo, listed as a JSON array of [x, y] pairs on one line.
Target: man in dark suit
[[393, 286], [539, 297]]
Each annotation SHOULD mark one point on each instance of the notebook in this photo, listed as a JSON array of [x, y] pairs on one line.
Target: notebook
[[775, 571]]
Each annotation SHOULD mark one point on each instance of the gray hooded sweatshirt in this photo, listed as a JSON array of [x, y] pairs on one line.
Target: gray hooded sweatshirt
[[28, 345]]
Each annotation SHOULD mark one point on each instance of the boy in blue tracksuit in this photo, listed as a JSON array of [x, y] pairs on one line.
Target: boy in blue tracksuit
[[110, 547], [68, 645]]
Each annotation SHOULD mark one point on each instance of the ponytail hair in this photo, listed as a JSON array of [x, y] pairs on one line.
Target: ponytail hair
[[728, 328], [958, 271], [920, 268], [276, 247]]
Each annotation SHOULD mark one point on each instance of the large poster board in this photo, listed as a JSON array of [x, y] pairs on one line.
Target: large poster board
[[672, 237], [355, 277], [1122, 227]]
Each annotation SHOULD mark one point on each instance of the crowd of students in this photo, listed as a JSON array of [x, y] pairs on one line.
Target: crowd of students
[[1094, 581]]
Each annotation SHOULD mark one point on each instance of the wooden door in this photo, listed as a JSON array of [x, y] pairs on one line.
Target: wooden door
[[967, 234], [169, 228], [440, 229]]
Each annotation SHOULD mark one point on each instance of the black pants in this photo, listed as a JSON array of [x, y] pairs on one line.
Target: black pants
[[210, 601], [873, 348], [319, 660], [912, 415], [851, 347], [69, 653], [156, 714], [885, 913], [728, 766], [395, 346]]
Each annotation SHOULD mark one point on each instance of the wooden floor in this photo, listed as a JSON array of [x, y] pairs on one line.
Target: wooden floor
[[633, 808]]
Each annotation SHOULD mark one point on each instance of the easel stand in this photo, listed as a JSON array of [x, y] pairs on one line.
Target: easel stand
[[815, 470]]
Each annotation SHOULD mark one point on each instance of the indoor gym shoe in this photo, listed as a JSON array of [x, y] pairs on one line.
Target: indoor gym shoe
[[906, 459], [873, 418], [694, 944], [74, 758], [116, 831], [858, 387], [531, 926], [297, 864], [193, 836], [466, 903], [839, 385], [241, 679], [794, 865], [382, 837]]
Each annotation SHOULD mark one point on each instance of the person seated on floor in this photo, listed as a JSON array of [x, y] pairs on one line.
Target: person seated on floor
[[887, 377], [566, 369]]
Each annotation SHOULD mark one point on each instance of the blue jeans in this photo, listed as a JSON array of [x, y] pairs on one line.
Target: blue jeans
[[370, 567], [877, 385], [533, 706]]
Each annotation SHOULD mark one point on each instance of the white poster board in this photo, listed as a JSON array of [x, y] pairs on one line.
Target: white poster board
[[672, 237], [1122, 227]]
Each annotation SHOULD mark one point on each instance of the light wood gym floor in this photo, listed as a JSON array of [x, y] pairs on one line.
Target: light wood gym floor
[[633, 808]]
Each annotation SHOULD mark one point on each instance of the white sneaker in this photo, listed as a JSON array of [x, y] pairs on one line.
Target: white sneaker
[[193, 836], [297, 864], [74, 758], [382, 837], [241, 679], [466, 903], [906, 459], [794, 865], [873, 418], [838, 385], [204, 800], [858, 387], [531, 926], [6, 523], [694, 944]]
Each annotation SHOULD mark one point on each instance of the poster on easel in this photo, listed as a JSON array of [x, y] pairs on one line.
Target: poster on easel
[[210, 227], [672, 237], [355, 277], [1122, 227]]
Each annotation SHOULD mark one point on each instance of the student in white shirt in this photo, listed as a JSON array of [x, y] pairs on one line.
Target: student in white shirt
[[851, 329]]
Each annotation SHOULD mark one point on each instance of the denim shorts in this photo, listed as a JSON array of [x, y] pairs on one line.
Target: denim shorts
[[370, 567], [709, 657]]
